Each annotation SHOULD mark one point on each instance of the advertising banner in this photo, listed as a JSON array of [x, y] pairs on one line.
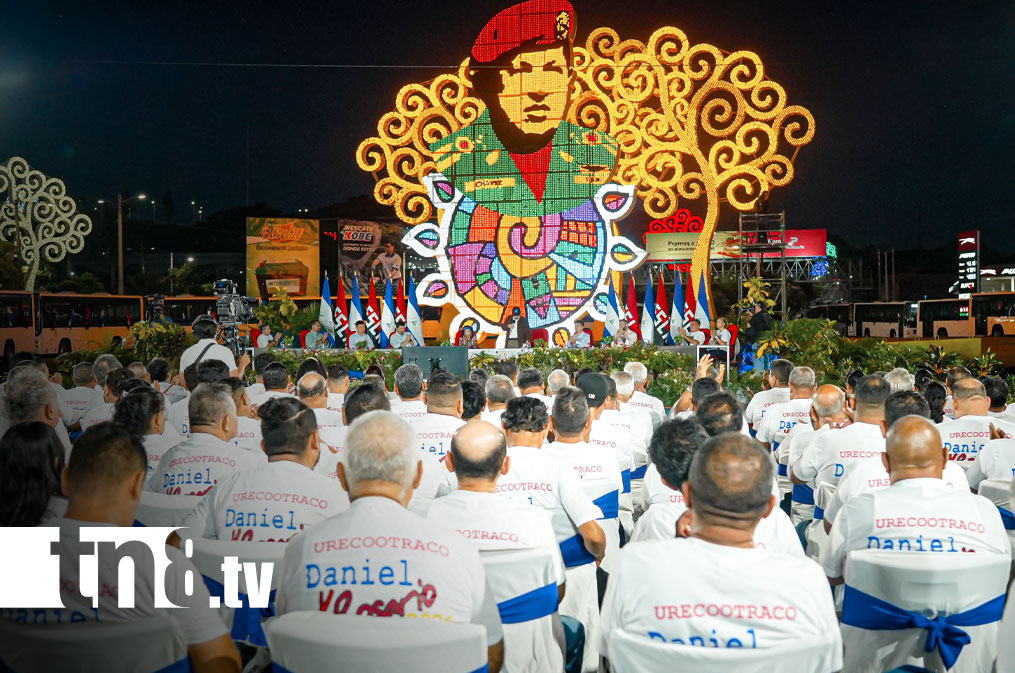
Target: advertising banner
[[283, 253], [362, 250], [969, 262], [679, 246]]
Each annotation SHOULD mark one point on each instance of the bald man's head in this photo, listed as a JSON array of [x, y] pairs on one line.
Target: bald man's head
[[478, 450], [731, 480], [312, 385], [969, 398], [828, 401], [914, 450]]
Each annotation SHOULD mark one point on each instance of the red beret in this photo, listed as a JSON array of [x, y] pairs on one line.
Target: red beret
[[540, 21]]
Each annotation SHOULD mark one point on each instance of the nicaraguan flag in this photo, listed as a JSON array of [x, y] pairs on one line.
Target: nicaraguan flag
[[612, 311], [648, 314], [701, 311], [325, 315], [413, 322], [387, 316], [676, 310], [355, 304]]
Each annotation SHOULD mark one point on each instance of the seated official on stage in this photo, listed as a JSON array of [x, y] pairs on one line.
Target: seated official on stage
[[727, 592], [580, 338], [401, 337], [693, 335], [360, 340], [919, 512], [266, 339], [315, 338], [104, 482], [625, 336], [722, 336], [377, 558], [409, 389], [278, 499]]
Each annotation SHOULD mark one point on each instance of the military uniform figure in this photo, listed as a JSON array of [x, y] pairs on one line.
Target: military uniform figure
[[527, 232]]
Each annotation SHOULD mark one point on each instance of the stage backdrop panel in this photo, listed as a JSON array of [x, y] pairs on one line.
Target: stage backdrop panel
[[283, 253]]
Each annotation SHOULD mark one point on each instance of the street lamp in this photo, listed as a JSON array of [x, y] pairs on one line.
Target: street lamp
[[153, 211], [193, 211], [119, 236]]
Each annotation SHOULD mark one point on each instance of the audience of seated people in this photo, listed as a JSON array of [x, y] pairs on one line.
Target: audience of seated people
[[645, 518]]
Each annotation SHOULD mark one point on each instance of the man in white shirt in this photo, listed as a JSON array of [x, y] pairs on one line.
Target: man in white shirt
[[899, 379], [473, 400], [159, 374], [313, 391], [727, 592], [30, 397], [418, 558], [997, 393], [954, 375], [266, 339], [74, 402], [625, 336], [635, 427], [210, 371], [640, 416], [103, 364], [601, 434], [640, 399], [261, 360], [969, 433], [359, 401], [536, 476], [499, 391], [832, 454], [443, 399], [579, 338], [360, 340], [828, 412], [870, 474], [276, 384], [207, 348], [918, 512], [401, 337], [781, 417], [248, 428], [723, 336], [555, 380], [103, 482], [778, 379], [272, 502], [693, 334], [193, 466], [409, 388], [673, 447], [509, 368], [338, 386], [530, 383], [491, 523], [111, 391]]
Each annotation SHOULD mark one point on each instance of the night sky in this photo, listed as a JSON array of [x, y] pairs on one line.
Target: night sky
[[914, 101]]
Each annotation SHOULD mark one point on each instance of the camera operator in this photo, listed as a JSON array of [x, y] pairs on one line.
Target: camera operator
[[207, 348], [266, 339]]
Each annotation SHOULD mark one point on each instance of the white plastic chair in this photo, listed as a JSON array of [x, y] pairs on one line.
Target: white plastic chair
[[631, 653], [159, 509], [311, 642], [933, 584], [142, 646], [208, 555], [998, 491], [529, 644]]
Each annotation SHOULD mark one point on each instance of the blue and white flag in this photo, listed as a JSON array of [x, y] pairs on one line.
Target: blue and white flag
[[387, 316], [355, 305], [676, 311], [612, 311], [413, 322], [326, 315], [701, 311], [648, 314]]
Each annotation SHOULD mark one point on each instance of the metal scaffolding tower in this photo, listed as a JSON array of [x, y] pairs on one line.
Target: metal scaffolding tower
[[761, 235]]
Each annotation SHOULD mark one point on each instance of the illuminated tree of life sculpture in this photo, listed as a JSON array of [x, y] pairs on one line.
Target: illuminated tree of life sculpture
[[38, 217], [689, 125]]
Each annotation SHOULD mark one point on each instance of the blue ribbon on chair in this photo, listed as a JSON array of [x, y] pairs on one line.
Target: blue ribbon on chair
[[819, 514], [609, 504], [783, 472], [775, 446], [943, 633], [639, 472], [246, 620], [531, 605], [279, 668], [1007, 518], [625, 478], [803, 494]]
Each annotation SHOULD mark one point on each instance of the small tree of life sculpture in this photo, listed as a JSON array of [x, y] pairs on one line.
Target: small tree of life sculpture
[[684, 126]]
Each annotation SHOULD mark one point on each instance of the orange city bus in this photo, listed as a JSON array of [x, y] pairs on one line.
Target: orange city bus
[[944, 318], [17, 323], [981, 314], [68, 322]]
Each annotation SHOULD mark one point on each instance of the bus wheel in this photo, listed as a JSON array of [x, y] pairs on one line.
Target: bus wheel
[[891, 334], [9, 353], [866, 333], [998, 331], [942, 333], [64, 346]]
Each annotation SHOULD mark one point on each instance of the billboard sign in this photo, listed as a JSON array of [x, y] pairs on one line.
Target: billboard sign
[[283, 253], [679, 246], [969, 262]]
